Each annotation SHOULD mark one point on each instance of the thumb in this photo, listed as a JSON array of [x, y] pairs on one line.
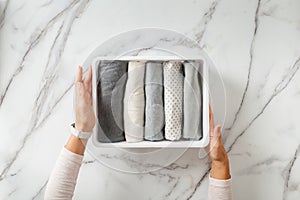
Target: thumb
[[217, 128], [217, 132]]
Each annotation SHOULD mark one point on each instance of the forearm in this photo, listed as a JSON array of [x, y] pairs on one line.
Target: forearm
[[62, 182], [220, 169], [220, 185], [63, 178], [76, 145]]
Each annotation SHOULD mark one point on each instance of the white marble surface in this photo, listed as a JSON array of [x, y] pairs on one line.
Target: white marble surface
[[254, 44]]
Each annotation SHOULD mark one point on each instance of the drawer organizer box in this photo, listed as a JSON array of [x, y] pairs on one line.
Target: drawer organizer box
[[137, 106]]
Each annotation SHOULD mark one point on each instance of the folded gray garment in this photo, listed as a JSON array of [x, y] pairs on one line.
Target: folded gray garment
[[134, 102], [110, 93], [173, 95], [154, 111], [192, 123]]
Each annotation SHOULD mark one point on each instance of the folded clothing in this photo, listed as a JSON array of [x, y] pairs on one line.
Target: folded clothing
[[134, 102], [192, 101], [151, 101], [110, 94], [173, 95], [154, 111]]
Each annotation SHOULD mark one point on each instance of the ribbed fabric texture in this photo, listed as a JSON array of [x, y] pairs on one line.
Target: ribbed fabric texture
[[220, 189], [134, 102], [192, 115], [154, 110], [110, 91], [173, 95], [63, 178]]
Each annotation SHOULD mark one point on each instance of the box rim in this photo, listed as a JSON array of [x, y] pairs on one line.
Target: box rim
[[203, 142]]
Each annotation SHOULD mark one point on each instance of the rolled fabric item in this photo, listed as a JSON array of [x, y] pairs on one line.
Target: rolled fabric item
[[192, 101], [154, 111], [173, 95], [110, 94], [134, 102]]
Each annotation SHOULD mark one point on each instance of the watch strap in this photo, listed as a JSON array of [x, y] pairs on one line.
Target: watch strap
[[79, 134]]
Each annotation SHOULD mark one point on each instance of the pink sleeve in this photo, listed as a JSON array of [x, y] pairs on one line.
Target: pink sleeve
[[219, 189], [62, 181]]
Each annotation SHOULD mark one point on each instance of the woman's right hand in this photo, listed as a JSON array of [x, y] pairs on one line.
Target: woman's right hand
[[217, 152]]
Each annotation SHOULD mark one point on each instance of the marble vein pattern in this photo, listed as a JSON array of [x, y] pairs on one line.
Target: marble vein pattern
[[255, 93]]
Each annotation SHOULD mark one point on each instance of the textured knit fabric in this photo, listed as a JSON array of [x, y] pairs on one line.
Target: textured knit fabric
[[110, 89], [62, 181], [219, 189], [134, 102], [192, 101], [173, 95], [154, 121]]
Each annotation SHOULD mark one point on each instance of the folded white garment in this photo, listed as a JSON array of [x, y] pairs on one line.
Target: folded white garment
[[134, 102]]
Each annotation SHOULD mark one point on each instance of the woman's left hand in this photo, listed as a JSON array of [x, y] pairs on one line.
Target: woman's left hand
[[85, 116]]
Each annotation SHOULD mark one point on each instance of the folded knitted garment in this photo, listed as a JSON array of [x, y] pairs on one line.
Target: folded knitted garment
[[154, 111], [173, 95], [110, 93], [192, 101], [151, 101], [134, 102]]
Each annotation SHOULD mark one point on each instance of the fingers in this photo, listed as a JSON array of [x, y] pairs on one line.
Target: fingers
[[79, 89], [79, 74], [215, 131], [88, 79], [211, 120], [78, 82]]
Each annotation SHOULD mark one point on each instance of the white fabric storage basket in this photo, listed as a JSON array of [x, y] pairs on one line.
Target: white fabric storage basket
[[203, 142]]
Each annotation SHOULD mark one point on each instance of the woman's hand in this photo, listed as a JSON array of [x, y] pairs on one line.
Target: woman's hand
[[217, 152], [85, 116]]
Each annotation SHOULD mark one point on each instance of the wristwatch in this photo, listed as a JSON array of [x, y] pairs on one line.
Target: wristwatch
[[79, 134]]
